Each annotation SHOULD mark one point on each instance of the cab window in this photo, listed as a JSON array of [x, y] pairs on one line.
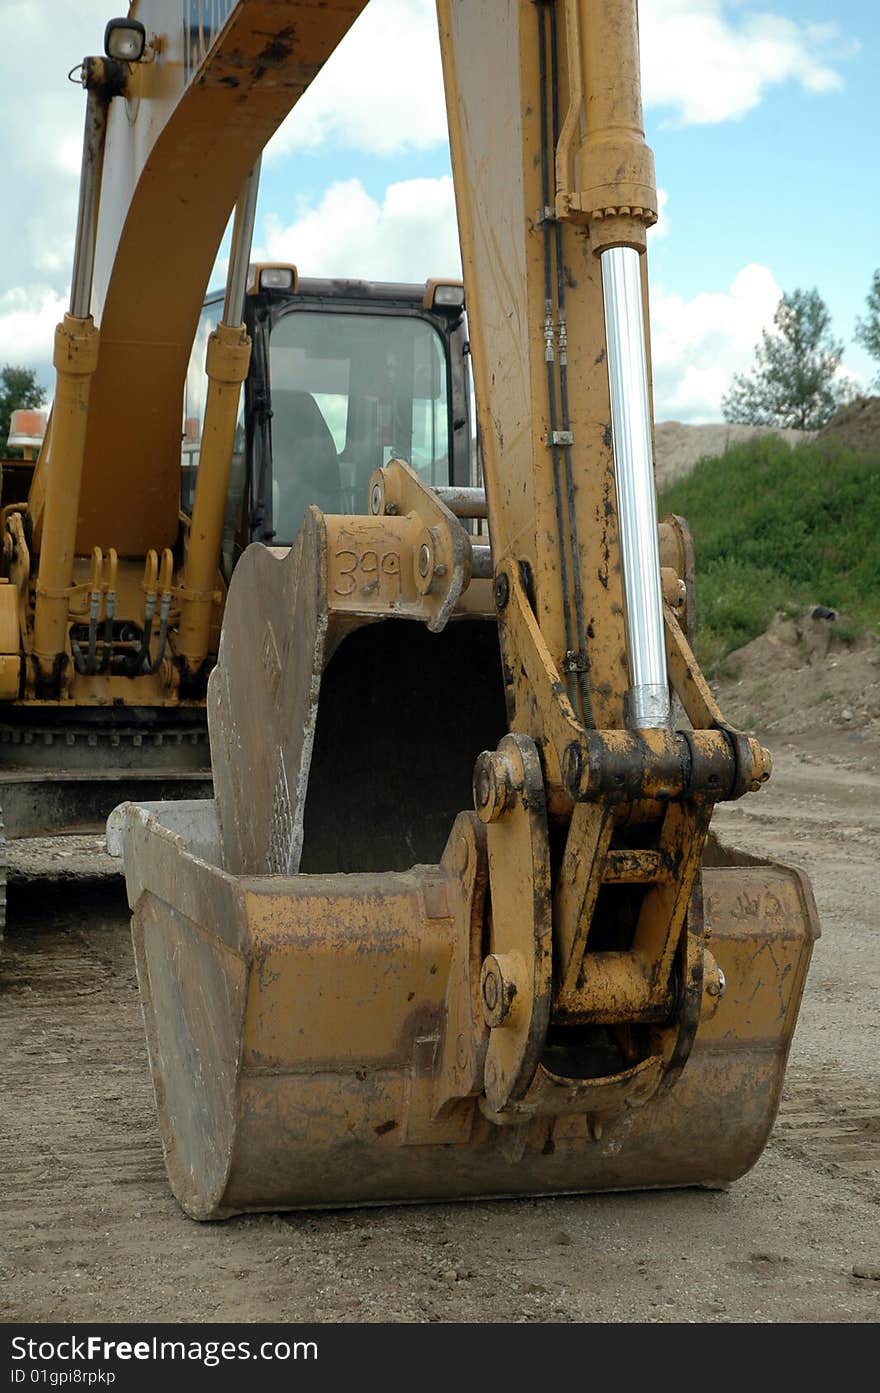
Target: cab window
[[349, 392]]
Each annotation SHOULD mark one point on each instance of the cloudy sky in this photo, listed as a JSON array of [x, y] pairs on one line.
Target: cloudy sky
[[763, 117]]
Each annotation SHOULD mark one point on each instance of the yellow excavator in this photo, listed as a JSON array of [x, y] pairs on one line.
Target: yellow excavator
[[454, 923]]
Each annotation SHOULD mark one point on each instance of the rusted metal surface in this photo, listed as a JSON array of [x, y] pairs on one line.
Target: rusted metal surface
[[295, 1028]]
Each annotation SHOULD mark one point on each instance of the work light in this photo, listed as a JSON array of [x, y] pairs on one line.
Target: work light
[[125, 40]]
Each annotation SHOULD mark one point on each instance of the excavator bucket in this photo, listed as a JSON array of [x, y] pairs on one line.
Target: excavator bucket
[[308, 945]]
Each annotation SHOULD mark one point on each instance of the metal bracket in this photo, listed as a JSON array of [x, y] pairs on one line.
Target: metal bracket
[[515, 981], [442, 561]]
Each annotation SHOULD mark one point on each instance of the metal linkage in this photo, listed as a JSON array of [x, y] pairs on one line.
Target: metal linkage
[[463, 502], [481, 563]]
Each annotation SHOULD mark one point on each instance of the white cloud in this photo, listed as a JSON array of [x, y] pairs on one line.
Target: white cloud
[[661, 226], [408, 236], [27, 324], [704, 65], [698, 344], [41, 122], [381, 91]]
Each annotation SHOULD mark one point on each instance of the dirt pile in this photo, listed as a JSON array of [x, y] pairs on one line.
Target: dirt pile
[[678, 447], [857, 425], [802, 675]]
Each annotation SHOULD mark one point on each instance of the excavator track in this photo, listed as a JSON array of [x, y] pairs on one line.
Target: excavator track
[[65, 777]]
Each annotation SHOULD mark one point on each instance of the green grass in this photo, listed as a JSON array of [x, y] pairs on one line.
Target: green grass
[[776, 530]]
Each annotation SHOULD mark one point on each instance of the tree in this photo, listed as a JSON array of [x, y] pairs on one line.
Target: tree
[[18, 388], [793, 381], [868, 329]]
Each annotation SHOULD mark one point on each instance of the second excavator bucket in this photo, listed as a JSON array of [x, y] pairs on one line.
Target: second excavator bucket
[[309, 945]]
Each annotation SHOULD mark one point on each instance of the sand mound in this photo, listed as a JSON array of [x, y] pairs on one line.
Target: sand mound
[[857, 424], [678, 447], [800, 675]]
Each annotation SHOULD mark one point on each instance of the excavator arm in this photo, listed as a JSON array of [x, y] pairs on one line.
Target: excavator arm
[[568, 987]]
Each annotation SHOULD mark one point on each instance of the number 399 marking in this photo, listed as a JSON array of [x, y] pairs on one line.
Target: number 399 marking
[[368, 571]]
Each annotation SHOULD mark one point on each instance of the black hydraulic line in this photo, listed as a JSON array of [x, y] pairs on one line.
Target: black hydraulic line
[[154, 666], [570, 682], [79, 661], [261, 510], [87, 665], [165, 608], [92, 659], [142, 656], [581, 659], [109, 613]]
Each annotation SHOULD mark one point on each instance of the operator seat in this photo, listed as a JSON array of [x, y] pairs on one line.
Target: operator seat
[[305, 465]]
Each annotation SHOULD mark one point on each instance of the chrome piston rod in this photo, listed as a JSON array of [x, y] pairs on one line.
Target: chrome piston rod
[[89, 192], [239, 256], [648, 699]]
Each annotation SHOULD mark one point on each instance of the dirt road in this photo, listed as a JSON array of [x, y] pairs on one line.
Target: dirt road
[[90, 1232]]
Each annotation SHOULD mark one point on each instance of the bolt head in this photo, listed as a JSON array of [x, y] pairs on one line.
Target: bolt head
[[497, 989], [493, 786], [716, 984], [482, 784], [490, 990], [573, 768]]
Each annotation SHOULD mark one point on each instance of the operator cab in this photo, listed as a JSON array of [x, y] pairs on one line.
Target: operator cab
[[344, 376]]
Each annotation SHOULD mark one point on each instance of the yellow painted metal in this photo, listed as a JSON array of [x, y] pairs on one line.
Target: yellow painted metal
[[577, 886], [179, 148], [126, 579], [228, 356], [10, 662], [10, 676], [516, 975], [75, 360], [9, 629], [304, 1054], [512, 1014], [605, 171]]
